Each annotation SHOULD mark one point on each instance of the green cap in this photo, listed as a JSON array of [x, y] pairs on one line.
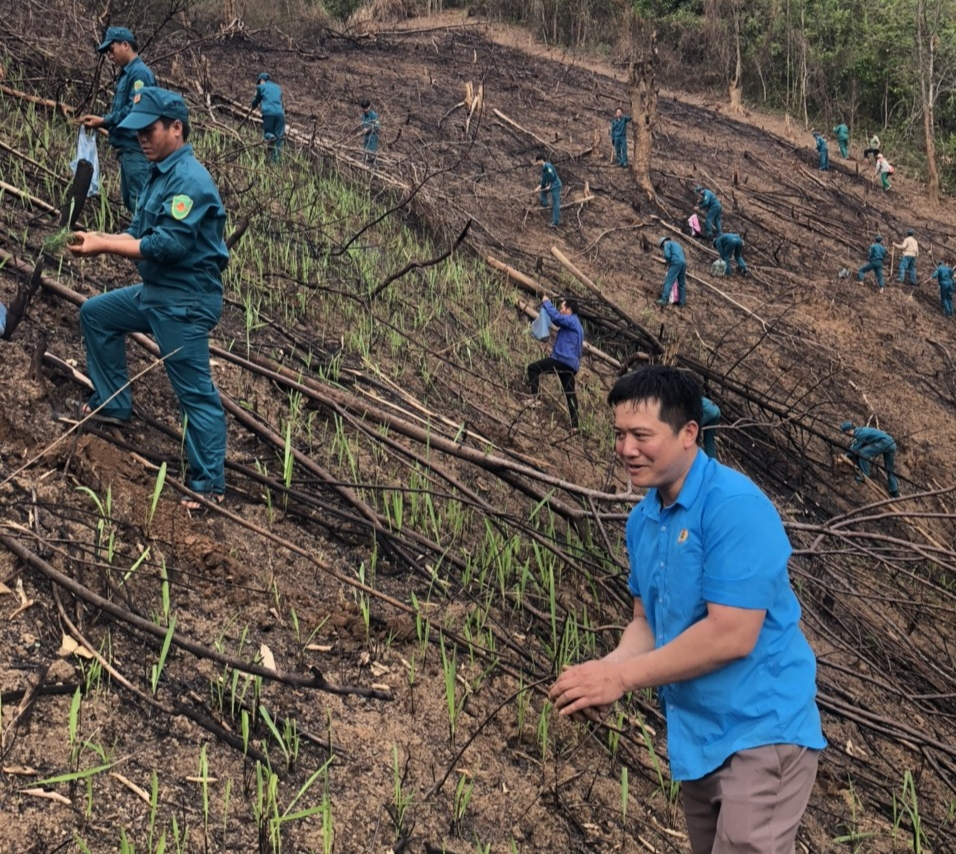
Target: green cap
[[116, 34], [152, 103]]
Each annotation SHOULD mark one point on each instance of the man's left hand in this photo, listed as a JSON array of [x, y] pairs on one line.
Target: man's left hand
[[594, 684]]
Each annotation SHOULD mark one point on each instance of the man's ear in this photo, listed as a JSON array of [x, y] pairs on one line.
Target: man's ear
[[689, 433]]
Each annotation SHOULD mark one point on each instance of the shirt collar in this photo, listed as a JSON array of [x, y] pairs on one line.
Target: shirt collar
[[651, 505], [167, 164]]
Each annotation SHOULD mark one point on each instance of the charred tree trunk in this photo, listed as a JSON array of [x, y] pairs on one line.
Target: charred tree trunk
[[69, 214], [927, 42], [643, 85], [735, 89]]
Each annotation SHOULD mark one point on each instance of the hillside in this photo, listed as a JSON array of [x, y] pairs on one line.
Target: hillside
[[408, 552]]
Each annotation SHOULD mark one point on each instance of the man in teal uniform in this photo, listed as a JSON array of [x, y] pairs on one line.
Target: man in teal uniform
[[370, 128], [874, 262], [619, 136], [869, 443], [122, 48], [269, 95], [730, 244], [714, 626], [823, 153], [842, 133], [709, 204], [710, 418], [944, 275], [676, 271], [550, 184], [176, 238]]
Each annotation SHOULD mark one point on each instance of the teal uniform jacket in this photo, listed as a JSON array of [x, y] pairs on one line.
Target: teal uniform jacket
[[370, 129], [619, 128], [133, 77], [876, 254], [549, 178], [269, 94], [180, 221], [842, 133]]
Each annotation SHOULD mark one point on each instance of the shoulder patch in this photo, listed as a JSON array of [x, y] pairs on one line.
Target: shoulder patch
[[139, 84], [136, 98], [181, 206]]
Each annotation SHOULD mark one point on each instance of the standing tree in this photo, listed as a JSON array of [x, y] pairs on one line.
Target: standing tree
[[643, 85]]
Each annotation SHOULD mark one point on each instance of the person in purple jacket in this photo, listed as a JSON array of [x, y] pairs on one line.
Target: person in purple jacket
[[565, 358]]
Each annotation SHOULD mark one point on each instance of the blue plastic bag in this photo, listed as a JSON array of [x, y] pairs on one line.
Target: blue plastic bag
[[86, 150], [541, 326]]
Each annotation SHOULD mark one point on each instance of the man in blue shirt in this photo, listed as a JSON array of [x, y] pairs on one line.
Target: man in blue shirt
[[370, 128], [550, 184], [709, 204], [823, 152], [269, 95], [715, 628], [122, 48], [869, 443], [676, 271], [874, 262], [619, 136], [730, 244], [944, 275], [565, 358], [176, 239]]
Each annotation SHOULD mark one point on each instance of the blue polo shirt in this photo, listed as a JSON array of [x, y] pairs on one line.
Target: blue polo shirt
[[722, 541]]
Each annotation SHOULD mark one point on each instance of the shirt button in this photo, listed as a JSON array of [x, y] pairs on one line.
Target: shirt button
[[663, 527], [662, 564]]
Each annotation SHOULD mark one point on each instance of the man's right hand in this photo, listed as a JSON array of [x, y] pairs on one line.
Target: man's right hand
[[92, 121], [85, 244]]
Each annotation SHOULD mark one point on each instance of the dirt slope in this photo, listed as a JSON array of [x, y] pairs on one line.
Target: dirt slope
[[788, 353]]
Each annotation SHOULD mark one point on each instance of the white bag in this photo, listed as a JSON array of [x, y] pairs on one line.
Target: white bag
[[541, 326], [86, 150]]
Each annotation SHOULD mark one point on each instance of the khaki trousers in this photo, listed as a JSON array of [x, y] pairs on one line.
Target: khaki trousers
[[753, 803]]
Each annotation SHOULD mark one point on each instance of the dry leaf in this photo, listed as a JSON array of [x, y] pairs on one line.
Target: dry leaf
[[319, 647], [20, 770], [379, 669], [4, 589], [50, 796], [71, 646], [22, 596], [22, 607], [381, 686], [268, 659]]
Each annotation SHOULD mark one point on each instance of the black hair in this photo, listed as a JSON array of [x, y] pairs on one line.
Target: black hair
[[365, 103], [571, 304], [540, 156], [677, 392], [168, 123], [133, 44]]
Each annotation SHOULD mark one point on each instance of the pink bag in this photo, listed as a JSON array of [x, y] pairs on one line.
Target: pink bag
[[675, 294], [693, 223]]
